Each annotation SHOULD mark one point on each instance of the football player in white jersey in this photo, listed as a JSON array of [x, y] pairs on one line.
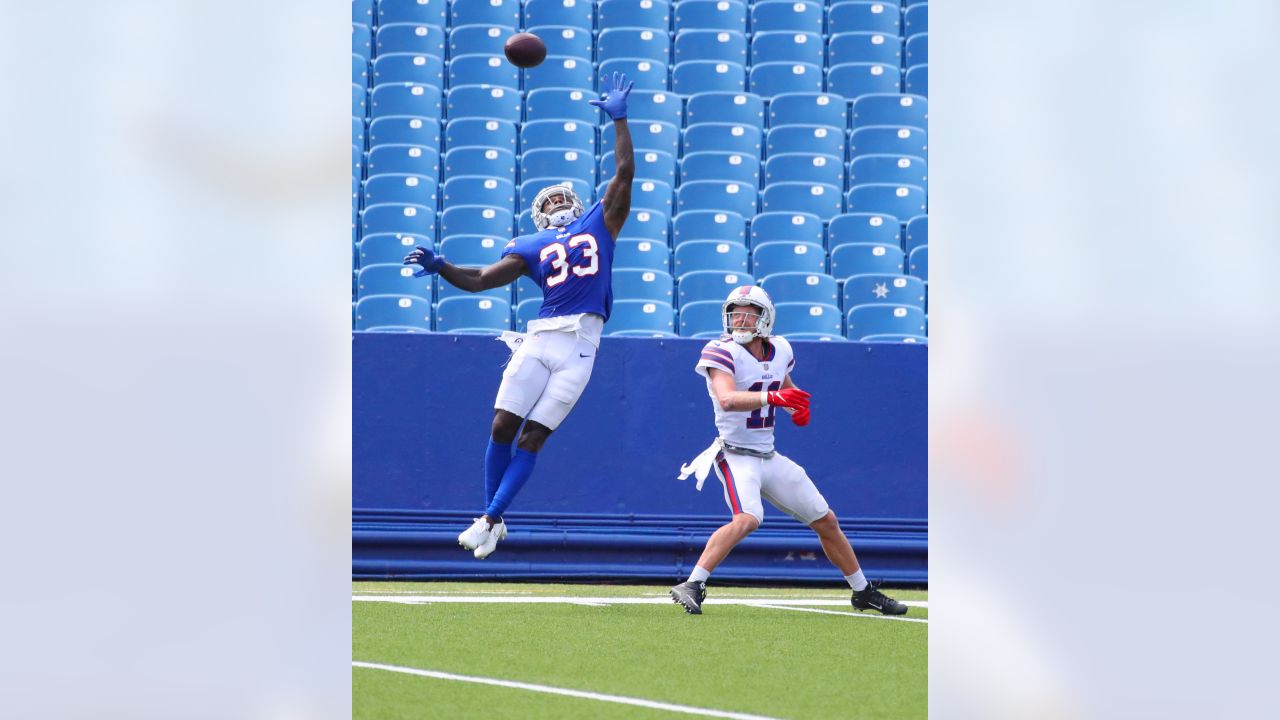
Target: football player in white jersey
[[748, 373]]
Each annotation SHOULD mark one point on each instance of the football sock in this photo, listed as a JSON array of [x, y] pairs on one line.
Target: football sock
[[518, 472], [699, 574], [856, 581], [496, 459]]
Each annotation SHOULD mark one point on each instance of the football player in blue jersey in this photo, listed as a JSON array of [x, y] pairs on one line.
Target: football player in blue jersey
[[571, 258]]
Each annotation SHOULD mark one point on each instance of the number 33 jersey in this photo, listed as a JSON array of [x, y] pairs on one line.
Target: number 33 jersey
[[573, 265], [747, 428]]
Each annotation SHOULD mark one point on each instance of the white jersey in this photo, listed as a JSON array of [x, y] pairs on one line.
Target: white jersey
[[747, 428]]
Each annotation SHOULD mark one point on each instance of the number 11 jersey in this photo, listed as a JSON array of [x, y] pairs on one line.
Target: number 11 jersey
[[573, 265], [747, 428]]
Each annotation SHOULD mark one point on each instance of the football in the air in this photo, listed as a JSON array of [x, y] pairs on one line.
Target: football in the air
[[525, 50]]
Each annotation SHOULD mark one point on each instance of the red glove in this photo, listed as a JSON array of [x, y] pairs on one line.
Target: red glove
[[789, 398], [800, 417]]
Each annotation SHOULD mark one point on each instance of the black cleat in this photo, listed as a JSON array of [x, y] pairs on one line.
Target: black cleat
[[870, 598], [690, 595]]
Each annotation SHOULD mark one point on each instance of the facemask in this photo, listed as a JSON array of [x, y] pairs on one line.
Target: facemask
[[742, 337], [560, 218]]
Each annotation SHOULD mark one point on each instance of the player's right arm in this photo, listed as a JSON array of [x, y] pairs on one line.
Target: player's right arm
[[732, 399], [503, 272], [617, 198]]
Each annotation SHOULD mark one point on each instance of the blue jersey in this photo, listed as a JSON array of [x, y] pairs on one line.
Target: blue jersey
[[573, 265]]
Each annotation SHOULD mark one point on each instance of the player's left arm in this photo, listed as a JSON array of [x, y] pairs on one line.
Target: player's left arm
[[617, 198]]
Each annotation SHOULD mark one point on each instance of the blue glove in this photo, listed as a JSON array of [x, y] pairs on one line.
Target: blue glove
[[615, 101], [430, 262]]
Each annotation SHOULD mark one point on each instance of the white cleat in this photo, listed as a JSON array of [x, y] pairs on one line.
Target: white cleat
[[486, 548], [474, 536]]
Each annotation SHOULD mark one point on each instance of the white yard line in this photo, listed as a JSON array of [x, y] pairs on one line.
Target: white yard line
[[871, 616], [602, 601], [620, 699]]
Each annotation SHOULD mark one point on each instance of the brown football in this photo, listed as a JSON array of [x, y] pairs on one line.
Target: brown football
[[525, 50]]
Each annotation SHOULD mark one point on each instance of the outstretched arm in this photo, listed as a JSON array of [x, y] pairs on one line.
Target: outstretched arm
[[617, 199], [503, 272]]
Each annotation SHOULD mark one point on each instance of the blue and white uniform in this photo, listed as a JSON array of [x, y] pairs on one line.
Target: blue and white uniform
[[552, 364]]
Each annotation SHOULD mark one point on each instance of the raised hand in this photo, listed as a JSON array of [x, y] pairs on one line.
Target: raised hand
[[615, 100], [430, 262]]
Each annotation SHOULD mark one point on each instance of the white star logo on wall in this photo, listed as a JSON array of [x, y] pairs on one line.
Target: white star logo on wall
[[881, 290]]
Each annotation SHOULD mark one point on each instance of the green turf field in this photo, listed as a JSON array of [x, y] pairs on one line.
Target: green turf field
[[778, 662]]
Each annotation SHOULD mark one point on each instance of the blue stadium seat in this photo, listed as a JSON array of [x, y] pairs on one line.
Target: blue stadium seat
[[645, 224], [856, 79], [527, 289], [411, 159], [819, 199], [426, 12], [896, 169], [362, 12], [471, 314], [483, 70], [863, 228], [860, 258], [698, 76], [646, 74], [559, 163], [529, 189], [561, 72], [408, 67], [727, 166], [527, 310], [648, 194], [778, 257], [631, 284], [864, 47], [717, 195], [357, 162], [398, 218], [901, 201], [719, 107], [654, 14], [867, 320], [702, 285], [917, 50], [389, 312], [889, 140], [359, 101], [897, 338], [410, 38], [444, 290], [361, 40], [524, 222], [650, 165], [883, 289], [405, 99], [478, 190], [474, 250], [861, 16], [802, 287], [793, 227], [401, 188], [505, 13], [572, 13], [477, 40], [480, 132], [499, 164], [915, 19], [571, 134], [566, 41], [713, 45], [702, 319], [633, 43], [786, 47], [891, 109], [645, 135], [356, 190], [918, 262], [359, 70], [805, 168], [808, 109], [722, 256], [795, 318], [390, 248], [711, 15], [709, 225], [818, 139], [404, 130], [477, 220], [723, 137], [561, 104], [918, 80], [392, 279], [641, 318], [768, 15], [917, 232], [773, 78], [641, 254], [653, 106], [482, 102], [357, 131]]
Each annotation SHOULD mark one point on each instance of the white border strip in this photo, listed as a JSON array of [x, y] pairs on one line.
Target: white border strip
[[621, 700], [877, 616]]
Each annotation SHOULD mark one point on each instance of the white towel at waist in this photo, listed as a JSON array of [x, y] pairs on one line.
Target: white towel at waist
[[700, 466]]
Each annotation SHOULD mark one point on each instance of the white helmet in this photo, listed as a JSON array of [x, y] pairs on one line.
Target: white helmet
[[748, 295], [560, 215]]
